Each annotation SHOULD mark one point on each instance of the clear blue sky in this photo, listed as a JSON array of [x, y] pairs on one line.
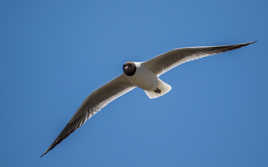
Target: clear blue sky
[[55, 52]]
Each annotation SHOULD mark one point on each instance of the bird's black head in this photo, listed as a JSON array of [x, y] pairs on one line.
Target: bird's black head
[[129, 68]]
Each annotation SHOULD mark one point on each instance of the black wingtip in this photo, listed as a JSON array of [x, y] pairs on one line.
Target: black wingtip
[[43, 154], [249, 43], [236, 46]]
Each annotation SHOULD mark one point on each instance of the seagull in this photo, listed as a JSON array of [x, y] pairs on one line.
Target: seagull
[[144, 75]]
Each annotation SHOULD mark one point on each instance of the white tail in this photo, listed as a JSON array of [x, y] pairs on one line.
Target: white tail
[[163, 88]]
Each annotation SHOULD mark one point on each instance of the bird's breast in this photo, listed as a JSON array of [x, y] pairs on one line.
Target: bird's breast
[[144, 79]]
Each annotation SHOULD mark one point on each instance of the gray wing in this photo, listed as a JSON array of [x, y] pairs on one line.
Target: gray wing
[[94, 103], [171, 59]]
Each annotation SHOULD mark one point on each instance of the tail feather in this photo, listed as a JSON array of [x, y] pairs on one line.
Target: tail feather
[[161, 90]]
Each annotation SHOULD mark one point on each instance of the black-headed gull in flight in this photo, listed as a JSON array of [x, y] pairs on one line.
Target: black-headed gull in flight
[[144, 75]]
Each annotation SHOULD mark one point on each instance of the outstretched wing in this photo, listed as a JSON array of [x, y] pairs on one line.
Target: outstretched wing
[[94, 103], [171, 59]]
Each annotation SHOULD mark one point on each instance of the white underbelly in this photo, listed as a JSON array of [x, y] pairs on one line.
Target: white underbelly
[[144, 79]]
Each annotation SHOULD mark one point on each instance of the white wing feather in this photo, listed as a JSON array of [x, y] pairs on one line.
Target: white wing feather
[[165, 62], [94, 103]]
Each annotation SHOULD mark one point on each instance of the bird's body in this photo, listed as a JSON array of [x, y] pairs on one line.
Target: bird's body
[[144, 75], [143, 78]]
